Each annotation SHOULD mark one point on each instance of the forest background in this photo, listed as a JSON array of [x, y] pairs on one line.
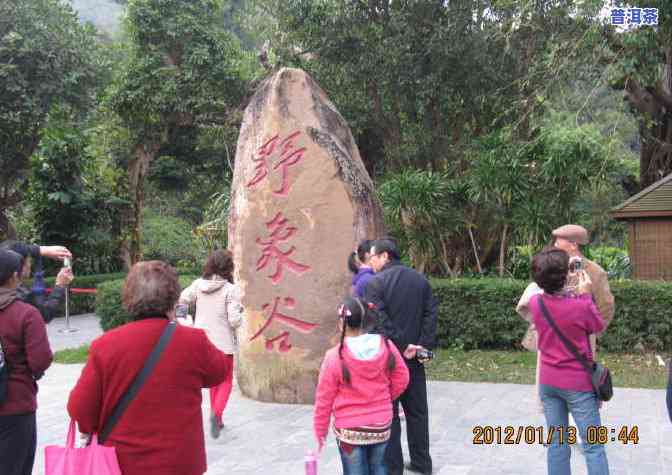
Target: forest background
[[484, 123]]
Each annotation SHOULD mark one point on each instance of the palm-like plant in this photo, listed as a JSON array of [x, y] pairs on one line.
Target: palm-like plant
[[418, 211], [213, 230]]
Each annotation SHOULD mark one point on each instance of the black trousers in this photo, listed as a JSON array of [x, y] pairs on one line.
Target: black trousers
[[18, 439], [414, 402]]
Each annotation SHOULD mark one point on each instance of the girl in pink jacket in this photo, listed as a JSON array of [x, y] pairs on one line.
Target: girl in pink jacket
[[358, 381]]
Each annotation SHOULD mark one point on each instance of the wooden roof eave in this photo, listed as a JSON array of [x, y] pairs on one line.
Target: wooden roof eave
[[625, 215]]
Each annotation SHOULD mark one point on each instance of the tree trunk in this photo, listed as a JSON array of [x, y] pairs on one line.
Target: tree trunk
[[7, 231], [502, 250], [655, 104], [131, 216], [445, 259], [473, 245]]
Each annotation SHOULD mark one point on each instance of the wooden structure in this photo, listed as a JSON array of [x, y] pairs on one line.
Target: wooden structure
[[649, 218]]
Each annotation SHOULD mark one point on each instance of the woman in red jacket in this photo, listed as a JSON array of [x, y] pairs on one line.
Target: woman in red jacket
[[23, 337], [161, 431]]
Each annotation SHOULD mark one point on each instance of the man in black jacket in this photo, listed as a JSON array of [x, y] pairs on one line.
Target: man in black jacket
[[408, 312], [48, 307]]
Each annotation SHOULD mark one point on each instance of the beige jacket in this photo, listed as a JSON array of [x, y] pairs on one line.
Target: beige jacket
[[601, 291], [218, 310]]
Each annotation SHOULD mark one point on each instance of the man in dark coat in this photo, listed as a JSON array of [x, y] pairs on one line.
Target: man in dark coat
[[408, 317]]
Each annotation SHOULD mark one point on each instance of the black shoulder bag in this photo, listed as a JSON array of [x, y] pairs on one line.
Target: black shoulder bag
[[600, 376], [138, 381]]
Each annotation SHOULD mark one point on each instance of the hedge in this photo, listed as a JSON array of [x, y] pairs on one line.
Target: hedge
[[108, 302], [81, 303], [480, 313]]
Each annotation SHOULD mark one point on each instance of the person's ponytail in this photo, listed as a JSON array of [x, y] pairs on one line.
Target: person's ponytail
[[344, 368]]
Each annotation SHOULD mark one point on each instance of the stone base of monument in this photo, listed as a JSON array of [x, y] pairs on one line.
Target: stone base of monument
[[270, 379]]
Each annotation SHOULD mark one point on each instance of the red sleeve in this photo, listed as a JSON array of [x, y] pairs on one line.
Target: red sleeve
[[86, 399], [217, 365], [594, 321], [38, 351], [399, 377], [327, 388]]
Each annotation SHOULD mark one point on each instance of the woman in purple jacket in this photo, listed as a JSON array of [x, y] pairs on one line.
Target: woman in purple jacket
[[358, 263], [23, 336], [564, 385]]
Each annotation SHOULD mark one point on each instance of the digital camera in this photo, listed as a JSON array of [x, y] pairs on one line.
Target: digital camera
[[424, 354], [576, 265]]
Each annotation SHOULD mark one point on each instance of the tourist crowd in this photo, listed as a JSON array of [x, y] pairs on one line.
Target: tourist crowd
[[140, 390]]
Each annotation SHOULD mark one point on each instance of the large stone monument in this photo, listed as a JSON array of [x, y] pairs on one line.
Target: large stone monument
[[301, 200]]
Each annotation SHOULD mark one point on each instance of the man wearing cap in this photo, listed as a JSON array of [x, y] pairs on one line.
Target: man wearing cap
[[569, 238], [408, 311]]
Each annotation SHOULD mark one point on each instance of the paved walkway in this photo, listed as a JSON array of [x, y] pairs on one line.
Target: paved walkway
[[270, 439], [86, 326]]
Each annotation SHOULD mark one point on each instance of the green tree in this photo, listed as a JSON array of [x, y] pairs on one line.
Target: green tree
[[46, 57], [642, 60], [418, 81], [182, 71], [72, 202]]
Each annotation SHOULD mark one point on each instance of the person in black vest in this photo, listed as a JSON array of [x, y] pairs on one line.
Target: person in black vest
[[408, 318]]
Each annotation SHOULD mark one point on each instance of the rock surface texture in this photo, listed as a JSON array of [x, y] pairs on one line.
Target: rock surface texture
[[301, 201]]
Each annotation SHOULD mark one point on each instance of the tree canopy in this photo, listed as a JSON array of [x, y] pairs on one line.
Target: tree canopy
[[46, 57]]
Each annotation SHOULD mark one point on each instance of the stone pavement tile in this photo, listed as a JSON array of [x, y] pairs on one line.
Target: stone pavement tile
[[454, 470]]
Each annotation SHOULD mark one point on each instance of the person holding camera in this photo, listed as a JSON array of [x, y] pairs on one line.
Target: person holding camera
[[359, 379], [48, 306], [408, 315], [563, 320], [570, 238], [26, 356]]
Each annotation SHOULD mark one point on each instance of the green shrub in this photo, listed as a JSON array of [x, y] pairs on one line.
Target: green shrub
[[170, 239], [614, 260], [480, 313], [108, 302], [81, 303]]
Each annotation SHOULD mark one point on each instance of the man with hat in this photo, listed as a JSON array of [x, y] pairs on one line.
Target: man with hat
[[569, 238]]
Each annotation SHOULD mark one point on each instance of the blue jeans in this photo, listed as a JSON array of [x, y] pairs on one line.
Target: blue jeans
[[583, 405], [363, 459]]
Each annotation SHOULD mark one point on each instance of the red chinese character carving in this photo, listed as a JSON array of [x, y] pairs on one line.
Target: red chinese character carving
[[270, 250], [295, 323], [284, 345], [289, 156]]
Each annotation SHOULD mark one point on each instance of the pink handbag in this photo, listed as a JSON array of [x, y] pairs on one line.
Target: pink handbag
[[94, 459]]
